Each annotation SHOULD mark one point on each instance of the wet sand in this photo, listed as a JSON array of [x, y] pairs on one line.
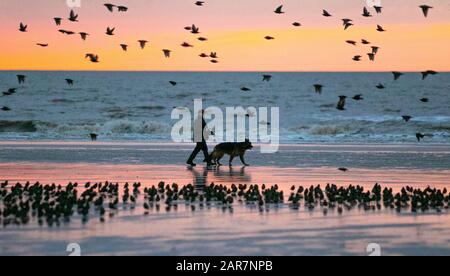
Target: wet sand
[[243, 230]]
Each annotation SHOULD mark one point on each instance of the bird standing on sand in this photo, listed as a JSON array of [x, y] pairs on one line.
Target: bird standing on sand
[[23, 28], [425, 9], [341, 103]]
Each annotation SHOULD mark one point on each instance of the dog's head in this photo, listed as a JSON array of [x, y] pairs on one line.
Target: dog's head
[[247, 145]]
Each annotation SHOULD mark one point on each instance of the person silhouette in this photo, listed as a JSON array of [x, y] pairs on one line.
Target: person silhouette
[[200, 135]]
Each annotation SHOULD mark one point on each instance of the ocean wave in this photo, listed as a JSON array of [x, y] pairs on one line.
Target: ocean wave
[[17, 126]]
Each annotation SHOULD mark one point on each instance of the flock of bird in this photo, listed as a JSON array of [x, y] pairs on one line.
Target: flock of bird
[[53, 205], [347, 23]]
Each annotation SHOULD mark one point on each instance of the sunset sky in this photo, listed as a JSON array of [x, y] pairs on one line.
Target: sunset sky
[[236, 31]]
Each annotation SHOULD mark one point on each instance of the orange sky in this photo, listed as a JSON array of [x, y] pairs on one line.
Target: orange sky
[[235, 29]]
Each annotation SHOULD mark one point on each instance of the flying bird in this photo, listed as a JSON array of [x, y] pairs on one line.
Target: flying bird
[[297, 24], [202, 39], [173, 83], [167, 53], [269, 37], [357, 58], [93, 58], [380, 29], [213, 55], [10, 92], [375, 50], [21, 78], [42, 45], [110, 31], [378, 9], [407, 118], [366, 13], [365, 42], [110, 7], [186, 45], [351, 42], [58, 21], [279, 10], [348, 25], [326, 13], [245, 89], [122, 9], [214, 61], [427, 73], [371, 56], [73, 17], [343, 169], [318, 88], [70, 82], [23, 28], [5, 108], [380, 86], [397, 75], [66, 32], [425, 9], [341, 103], [358, 97], [420, 136], [142, 43], [267, 78], [83, 35], [195, 29], [124, 47], [424, 100], [203, 55], [199, 3]]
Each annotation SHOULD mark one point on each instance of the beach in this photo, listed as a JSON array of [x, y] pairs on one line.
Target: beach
[[242, 229]]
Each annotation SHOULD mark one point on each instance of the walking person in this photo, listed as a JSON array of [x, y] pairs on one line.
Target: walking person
[[200, 131]]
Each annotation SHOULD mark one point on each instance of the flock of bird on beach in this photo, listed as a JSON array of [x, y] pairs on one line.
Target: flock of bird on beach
[[54, 205], [347, 23]]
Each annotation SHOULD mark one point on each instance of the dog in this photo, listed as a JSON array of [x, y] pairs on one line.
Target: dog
[[233, 150]]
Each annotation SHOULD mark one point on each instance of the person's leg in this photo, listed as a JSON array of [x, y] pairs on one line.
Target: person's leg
[[194, 154], [206, 153]]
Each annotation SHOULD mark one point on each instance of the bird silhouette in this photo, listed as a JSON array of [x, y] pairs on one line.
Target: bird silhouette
[[21, 78], [378, 9], [124, 47], [167, 53], [10, 92], [173, 83], [348, 25], [397, 75], [214, 61], [380, 28], [213, 55], [58, 21], [245, 89], [83, 35], [93, 136], [371, 56], [420, 136], [380, 86], [424, 100], [122, 9], [358, 97], [66, 32], [366, 13], [110, 7], [326, 13], [70, 82], [267, 78], [93, 58], [202, 39], [203, 55], [341, 103], [425, 9], [23, 28], [42, 44], [407, 118], [199, 3], [186, 45], [375, 49], [352, 42], [279, 10], [110, 31], [318, 88], [5, 108], [365, 42], [296, 24], [195, 29], [73, 17], [357, 58], [269, 37], [425, 74], [343, 169], [142, 43]]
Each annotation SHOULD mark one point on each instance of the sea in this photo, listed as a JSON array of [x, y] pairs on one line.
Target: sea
[[137, 106]]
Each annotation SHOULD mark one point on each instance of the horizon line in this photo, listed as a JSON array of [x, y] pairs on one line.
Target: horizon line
[[206, 71]]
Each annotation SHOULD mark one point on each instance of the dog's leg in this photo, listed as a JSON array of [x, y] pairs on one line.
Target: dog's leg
[[231, 160], [243, 160], [219, 157]]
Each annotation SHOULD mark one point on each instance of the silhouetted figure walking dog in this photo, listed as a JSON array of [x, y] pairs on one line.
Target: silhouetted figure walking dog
[[200, 126]]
